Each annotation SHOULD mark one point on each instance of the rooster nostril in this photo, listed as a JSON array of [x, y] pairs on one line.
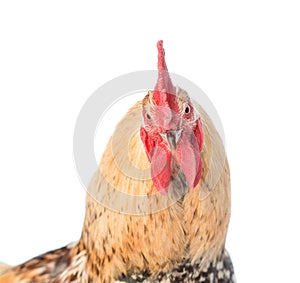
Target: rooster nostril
[[171, 137], [177, 134]]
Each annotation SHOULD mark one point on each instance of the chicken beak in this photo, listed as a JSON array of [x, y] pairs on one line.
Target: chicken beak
[[171, 137]]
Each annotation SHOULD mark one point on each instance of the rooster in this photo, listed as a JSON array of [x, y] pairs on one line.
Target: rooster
[[179, 204]]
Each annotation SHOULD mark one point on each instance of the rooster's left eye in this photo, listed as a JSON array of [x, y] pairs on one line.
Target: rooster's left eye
[[187, 109], [148, 116]]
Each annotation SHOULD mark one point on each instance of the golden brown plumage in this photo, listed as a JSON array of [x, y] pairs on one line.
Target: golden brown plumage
[[131, 230], [187, 229]]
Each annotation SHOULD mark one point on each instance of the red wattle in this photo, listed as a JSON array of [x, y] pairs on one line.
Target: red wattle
[[161, 167], [160, 159], [188, 155]]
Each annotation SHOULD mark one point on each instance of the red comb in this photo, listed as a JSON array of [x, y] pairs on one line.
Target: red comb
[[164, 84]]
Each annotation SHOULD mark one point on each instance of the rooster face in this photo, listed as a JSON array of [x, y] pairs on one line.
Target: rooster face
[[172, 137], [171, 133]]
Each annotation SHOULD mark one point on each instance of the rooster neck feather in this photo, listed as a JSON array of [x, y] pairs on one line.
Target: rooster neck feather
[[193, 229]]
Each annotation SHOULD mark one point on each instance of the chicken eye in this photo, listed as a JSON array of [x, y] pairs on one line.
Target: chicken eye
[[187, 109], [148, 116]]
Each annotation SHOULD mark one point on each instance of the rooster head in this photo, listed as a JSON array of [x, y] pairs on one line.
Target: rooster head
[[171, 132]]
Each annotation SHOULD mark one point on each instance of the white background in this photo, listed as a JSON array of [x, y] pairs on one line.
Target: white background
[[243, 54]]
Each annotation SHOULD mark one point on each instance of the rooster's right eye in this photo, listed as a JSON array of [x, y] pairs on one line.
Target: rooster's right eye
[[187, 109]]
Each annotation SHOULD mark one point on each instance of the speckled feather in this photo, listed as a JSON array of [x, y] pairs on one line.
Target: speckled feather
[[217, 271]]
